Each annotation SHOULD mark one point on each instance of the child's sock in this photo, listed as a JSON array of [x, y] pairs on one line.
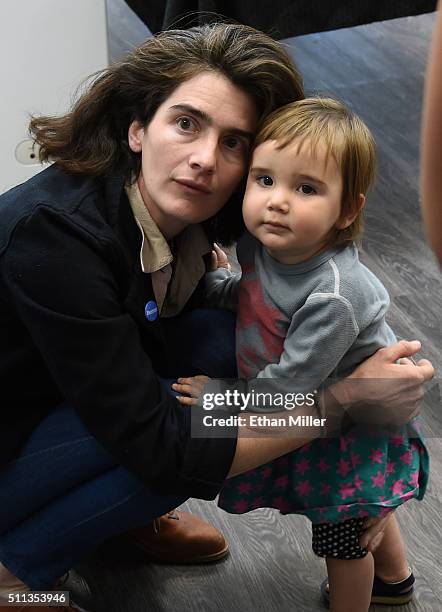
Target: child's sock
[[10, 583]]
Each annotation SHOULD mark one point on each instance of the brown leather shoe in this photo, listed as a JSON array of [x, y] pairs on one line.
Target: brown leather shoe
[[180, 537]]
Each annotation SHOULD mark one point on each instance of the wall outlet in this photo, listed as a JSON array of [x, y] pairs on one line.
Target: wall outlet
[[65, 41], [27, 152]]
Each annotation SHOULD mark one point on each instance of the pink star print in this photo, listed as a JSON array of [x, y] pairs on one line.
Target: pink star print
[[257, 502], [358, 482], [343, 468], [414, 480], [407, 457], [390, 468], [355, 459], [266, 472], [325, 488], [244, 488], [398, 487], [303, 466], [304, 488], [415, 446], [378, 480], [345, 441], [282, 482], [346, 490], [241, 506], [323, 465], [397, 440], [343, 444], [376, 455]]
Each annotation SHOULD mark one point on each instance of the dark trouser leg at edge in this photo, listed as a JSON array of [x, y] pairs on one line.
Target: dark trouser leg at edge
[[64, 494]]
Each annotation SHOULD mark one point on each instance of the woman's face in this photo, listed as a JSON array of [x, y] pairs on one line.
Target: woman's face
[[194, 151]]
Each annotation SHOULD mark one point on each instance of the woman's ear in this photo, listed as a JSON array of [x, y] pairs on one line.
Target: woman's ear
[[135, 136], [345, 222]]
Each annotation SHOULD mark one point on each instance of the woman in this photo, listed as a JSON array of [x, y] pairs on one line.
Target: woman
[[101, 256]]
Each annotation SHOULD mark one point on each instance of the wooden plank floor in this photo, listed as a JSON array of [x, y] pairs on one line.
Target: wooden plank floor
[[378, 69]]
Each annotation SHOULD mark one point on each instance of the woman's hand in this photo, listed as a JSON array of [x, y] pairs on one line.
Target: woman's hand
[[390, 380], [219, 259], [192, 387], [383, 364]]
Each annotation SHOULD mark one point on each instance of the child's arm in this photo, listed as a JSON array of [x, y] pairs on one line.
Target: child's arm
[[221, 286], [320, 334]]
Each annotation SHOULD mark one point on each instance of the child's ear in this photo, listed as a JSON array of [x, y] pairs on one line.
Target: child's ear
[[345, 222]]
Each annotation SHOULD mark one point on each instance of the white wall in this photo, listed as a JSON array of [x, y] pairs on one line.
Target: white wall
[[46, 48]]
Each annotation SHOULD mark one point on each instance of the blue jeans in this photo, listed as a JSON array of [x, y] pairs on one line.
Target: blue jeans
[[64, 494]]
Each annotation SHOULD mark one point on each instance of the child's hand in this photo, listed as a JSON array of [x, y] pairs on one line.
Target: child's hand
[[374, 531], [219, 259], [192, 386]]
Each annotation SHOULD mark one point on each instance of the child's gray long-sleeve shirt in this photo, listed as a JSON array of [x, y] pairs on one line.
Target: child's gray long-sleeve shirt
[[312, 320]]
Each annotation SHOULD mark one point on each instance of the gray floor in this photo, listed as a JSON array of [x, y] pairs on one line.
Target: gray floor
[[378, 69]]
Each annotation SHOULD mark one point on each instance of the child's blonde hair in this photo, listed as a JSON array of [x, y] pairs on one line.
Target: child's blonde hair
[[347, 139]]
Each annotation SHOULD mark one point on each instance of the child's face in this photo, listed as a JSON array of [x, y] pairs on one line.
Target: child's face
[[292, 200]]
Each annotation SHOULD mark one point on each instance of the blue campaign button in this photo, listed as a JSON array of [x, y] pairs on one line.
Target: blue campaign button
[[151, 310]]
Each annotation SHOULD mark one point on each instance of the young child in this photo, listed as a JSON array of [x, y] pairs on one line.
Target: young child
[[308, 308]]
